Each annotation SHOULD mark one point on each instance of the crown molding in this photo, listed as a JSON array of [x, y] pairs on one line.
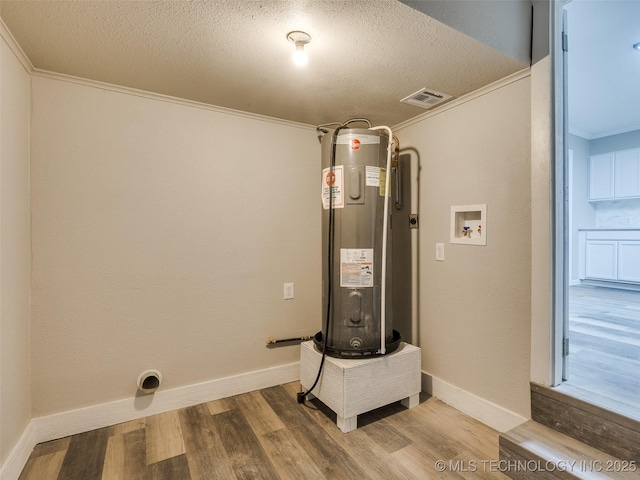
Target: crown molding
[[6, 35], [503, 82], [37, 72], [11, 42]]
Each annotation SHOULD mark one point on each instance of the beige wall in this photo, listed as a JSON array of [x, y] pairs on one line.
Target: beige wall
[[162, 235], [475, 306], [15, 390]]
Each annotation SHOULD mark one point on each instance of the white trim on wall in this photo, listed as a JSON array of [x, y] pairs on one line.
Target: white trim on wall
[[619, 131], [36, 72], [467, 98], [570, 192], [98, 416], [17, 459], [495, 416], [51, 427], [5, 33]]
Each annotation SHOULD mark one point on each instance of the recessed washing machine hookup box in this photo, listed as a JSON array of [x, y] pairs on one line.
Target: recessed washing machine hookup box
[[469, 224]]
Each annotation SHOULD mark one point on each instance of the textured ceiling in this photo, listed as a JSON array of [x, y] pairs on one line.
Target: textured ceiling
[[365, 55]]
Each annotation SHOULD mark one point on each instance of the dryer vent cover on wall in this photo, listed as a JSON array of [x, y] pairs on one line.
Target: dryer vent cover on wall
[[426, 98]]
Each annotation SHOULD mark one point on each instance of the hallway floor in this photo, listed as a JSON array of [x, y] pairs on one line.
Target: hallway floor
[[604, 350]]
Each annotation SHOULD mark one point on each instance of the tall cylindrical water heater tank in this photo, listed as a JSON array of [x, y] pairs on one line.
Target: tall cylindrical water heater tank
[[353, 194]]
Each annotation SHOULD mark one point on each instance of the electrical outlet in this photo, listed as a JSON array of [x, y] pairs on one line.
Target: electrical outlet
[[440, 252], [288, 291]]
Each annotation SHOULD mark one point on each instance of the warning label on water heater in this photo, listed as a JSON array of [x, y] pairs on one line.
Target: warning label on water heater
[[332, 185], [356, 267], [383, 182], [372, 175]]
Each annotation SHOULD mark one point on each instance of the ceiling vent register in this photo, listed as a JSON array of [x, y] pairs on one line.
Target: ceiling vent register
[[425, 98]]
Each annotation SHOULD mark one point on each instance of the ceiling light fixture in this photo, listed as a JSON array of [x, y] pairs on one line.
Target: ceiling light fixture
[[300, 39], [637, 46]]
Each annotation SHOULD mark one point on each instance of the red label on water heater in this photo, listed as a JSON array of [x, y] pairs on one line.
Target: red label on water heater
[[332, 187], [330, 178], [355, 144]]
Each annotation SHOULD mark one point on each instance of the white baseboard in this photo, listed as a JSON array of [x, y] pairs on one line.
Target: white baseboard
[[98, 416], [495, 416], [17, 459], [51, 427]]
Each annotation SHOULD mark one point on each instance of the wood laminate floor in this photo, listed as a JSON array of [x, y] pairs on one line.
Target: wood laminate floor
[[604, 352], [267, 435]]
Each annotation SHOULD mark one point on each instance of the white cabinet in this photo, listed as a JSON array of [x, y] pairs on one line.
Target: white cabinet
[[629, 261], [601, 260], [610, 255], [626, 173], [601, 177], [614, 175]]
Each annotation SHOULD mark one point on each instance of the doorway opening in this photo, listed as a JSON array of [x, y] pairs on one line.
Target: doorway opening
[[600, 220]]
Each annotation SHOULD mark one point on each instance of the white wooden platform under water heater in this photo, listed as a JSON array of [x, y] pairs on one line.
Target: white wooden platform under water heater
[[350, 387]]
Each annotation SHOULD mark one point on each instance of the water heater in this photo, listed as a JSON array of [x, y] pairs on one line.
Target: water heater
[[356, 270]]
